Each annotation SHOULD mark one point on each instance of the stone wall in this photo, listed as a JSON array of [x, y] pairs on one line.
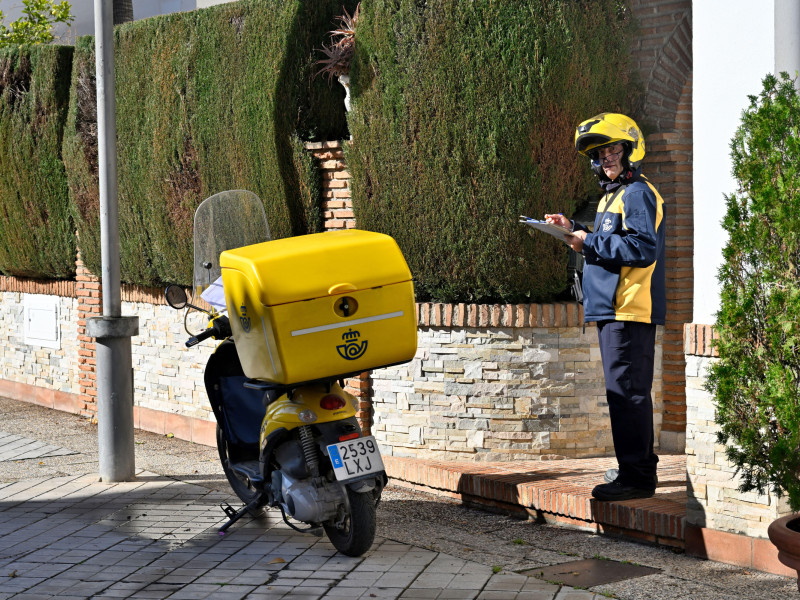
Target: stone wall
[[714, 501], [33, 365], [489, 382], [168, 376], [499, 383]]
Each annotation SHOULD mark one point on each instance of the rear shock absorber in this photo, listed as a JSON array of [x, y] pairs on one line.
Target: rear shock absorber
[[309, 449]]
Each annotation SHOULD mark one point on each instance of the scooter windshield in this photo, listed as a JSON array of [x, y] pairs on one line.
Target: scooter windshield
[[224, 221]]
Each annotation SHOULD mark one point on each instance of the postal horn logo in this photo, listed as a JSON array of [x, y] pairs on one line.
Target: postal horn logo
[[244, 319], [352, 349]]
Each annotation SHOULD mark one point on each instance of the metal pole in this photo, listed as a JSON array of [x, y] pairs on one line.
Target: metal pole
[[113, 331], [787, 38]]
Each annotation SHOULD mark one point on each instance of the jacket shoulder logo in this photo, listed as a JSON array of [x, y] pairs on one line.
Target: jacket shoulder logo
[[607, 224], [352, 349]]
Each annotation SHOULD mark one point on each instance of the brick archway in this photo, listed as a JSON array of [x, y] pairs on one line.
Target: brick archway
[[663, 56]]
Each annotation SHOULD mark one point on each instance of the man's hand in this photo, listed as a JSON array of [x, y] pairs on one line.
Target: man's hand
[[574, 241], [560, 220]]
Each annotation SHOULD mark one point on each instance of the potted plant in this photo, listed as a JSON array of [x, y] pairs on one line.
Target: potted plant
[[756, 381], [339, 54]]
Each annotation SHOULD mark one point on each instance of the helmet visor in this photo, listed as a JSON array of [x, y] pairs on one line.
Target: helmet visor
[[591, 141]]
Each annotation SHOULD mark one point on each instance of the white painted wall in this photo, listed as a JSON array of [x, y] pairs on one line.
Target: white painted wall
[[733, 46], [83, 10], [150, 8]]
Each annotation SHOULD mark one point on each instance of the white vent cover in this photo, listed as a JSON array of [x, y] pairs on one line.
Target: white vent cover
[[41, 321]]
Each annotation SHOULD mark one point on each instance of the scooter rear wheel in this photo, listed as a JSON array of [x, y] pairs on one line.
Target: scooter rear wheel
[[358, 532], [227, 453]]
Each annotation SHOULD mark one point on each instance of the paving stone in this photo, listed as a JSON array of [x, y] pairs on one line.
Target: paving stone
[[15, 447], [271, 593], [395, 579], [432, 580], [458, 594], [506, 582], [421, 594], [572, 594], [347, 592]]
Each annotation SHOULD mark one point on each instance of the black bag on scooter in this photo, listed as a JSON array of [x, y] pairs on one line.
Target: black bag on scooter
[[239, 410]]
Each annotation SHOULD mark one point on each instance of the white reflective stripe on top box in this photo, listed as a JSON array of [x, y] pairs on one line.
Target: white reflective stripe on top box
[[393, 315]]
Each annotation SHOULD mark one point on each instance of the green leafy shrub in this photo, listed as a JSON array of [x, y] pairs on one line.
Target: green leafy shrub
[[463, 118], [35, 26], [37, 236], [756, 381], [208, 100]]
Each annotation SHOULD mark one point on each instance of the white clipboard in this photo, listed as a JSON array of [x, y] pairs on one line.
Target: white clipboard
[[555, 230]]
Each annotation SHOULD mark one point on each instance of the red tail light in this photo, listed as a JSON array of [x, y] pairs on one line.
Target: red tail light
[[332, 402], [348, 436]]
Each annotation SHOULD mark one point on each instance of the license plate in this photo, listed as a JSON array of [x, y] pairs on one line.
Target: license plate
[[355, 458]]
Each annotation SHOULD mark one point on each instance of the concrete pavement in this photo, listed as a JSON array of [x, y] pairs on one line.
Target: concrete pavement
[[64, 534]]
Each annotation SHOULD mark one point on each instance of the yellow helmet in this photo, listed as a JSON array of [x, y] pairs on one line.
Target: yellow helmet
[[611, 128]]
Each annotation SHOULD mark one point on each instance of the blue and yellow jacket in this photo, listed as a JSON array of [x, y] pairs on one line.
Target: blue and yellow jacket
[[623, 274]]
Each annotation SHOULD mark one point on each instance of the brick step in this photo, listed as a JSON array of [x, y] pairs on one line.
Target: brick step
[[557, 491]]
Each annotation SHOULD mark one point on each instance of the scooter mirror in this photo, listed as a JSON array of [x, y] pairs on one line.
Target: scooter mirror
[[176, 296]]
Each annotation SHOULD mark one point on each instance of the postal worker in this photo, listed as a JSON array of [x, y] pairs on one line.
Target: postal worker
[[623, 286]]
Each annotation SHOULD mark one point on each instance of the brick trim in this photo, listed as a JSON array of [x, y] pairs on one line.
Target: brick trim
[[735, 549], [698, 340], [183, 427], [556, 314], [144, 295], [69, 289], [49, 398], [21, 285], [88, 290], [361, 387]]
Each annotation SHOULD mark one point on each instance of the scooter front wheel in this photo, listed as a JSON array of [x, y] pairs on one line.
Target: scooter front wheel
[[227, 454], [358, 530]]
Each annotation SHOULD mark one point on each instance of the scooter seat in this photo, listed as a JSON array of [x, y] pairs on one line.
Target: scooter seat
[[271, 391]]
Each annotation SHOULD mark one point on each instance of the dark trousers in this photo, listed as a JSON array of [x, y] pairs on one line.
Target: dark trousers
[[627, 349]]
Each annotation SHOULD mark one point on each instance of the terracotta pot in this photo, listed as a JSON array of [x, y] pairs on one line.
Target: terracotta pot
[[787, 540]]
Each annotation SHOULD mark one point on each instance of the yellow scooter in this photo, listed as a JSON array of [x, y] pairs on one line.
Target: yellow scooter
[[287, 432]]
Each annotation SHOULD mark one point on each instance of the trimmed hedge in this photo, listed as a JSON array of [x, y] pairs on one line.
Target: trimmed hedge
[[207, 100], [37, 236], [463, 118]]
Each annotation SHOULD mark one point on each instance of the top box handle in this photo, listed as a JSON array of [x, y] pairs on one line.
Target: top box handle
[[341, 288]]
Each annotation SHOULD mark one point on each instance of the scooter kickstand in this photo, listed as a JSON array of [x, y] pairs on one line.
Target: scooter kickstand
[[234, 515]]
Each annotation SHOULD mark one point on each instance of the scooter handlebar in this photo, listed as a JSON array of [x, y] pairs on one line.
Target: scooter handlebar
[[196, 339], [220, 329]]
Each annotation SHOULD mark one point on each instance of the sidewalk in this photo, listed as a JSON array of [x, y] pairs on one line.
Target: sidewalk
[[64, 534]]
